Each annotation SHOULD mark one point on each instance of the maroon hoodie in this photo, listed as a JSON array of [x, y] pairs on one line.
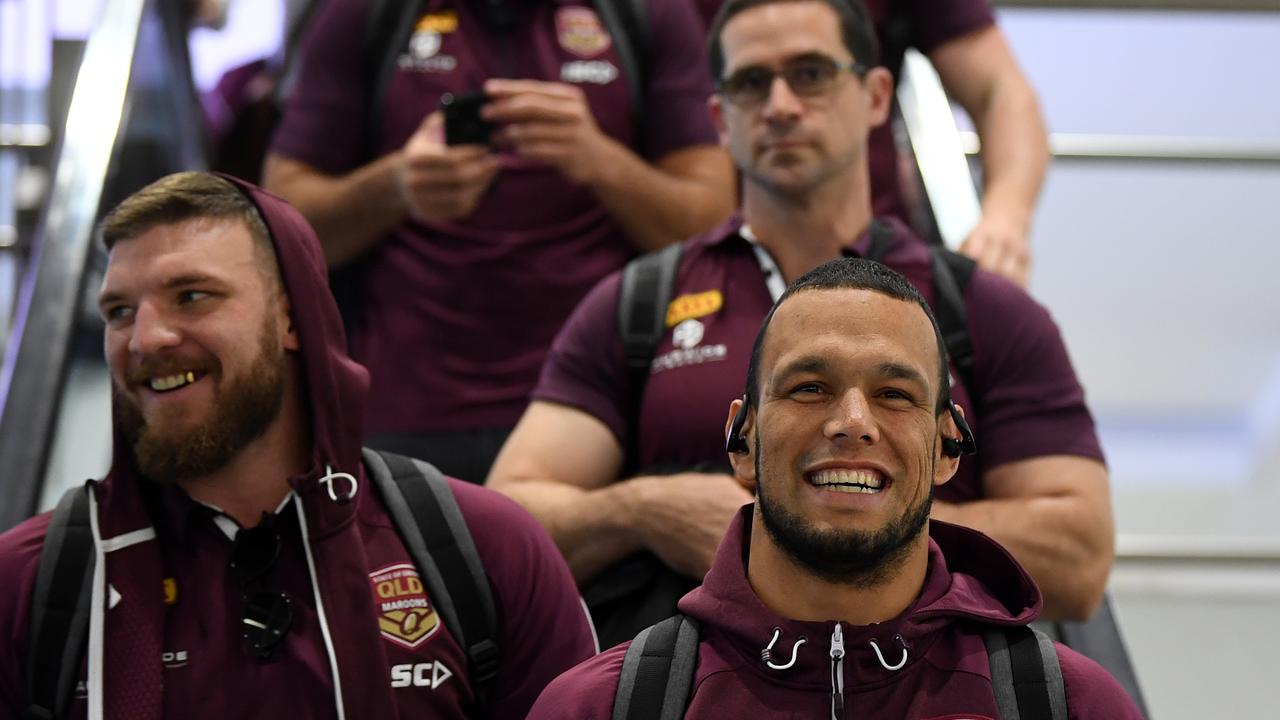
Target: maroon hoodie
[[929, 662], [164, 632]]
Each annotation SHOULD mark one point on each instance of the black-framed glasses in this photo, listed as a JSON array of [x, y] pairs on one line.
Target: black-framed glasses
[[811, 76], [266, 615]]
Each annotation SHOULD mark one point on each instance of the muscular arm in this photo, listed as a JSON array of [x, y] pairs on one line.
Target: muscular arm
[[683, 194], [351, 212], [1054, 514], [561, 464], [980, 72]]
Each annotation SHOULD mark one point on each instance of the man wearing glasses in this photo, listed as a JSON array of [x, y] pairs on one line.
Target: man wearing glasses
[[798, 93], [246, 564]]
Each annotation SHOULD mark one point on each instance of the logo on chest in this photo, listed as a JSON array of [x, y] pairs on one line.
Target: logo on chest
[[579, 31], [424, 45], [405, 615]]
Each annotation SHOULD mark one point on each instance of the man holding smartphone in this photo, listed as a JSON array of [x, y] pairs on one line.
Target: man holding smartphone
[[470, 256]]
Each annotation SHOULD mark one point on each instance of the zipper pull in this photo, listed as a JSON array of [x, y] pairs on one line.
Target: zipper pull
[[837, 673]]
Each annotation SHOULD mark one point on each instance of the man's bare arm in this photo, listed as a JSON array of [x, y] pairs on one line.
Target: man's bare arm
[[562, 465], [1054, 514], [681, 194], [350, 213], [980, 72]]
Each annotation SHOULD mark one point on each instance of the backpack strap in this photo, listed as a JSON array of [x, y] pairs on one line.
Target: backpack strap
[[628, 24], [60, 607], [1025, 675], [881, 240], [657, 671], [389, 25], [951, 274], [433, 529], [648, 283]]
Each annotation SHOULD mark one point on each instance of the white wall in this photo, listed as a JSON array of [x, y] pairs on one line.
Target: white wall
[[1163, 276]]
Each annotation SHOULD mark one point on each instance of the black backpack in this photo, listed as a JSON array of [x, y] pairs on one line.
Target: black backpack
[[658, 668], [425, 514]]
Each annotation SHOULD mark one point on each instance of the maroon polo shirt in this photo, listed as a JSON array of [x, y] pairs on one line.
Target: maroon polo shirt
[[455, 317], [929, 25], [1026, 401]]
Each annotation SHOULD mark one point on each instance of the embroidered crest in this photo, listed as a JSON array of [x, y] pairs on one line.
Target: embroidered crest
[[405, 615], [580, 32]]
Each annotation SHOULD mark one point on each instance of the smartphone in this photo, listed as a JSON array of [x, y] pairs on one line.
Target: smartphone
[[462, 122]]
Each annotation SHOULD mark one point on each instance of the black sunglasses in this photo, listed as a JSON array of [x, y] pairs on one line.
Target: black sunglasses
[[267, 614], [810, 76]]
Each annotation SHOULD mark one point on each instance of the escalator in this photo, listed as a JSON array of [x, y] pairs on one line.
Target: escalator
[[132, 118]]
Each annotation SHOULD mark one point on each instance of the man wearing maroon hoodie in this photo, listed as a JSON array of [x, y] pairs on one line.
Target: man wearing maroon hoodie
[[835, 595], [236, 480]]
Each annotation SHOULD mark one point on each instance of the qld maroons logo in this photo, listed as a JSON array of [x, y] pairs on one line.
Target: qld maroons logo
[[405, 615], [579, 31]]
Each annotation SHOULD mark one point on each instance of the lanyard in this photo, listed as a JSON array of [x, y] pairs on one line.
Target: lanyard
[[768, 266]]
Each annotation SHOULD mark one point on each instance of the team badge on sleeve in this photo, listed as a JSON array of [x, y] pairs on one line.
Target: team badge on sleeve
[[405, 614], [580, 32]]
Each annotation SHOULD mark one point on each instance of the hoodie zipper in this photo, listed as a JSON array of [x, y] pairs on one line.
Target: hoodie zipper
[[837, 674]]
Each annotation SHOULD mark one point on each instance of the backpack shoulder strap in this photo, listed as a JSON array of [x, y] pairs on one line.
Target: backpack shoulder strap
[[389, 24], [628, 24], [951, 274], [60, 607], [433, 529], [1025, 675], [657, 671], [648, 283]]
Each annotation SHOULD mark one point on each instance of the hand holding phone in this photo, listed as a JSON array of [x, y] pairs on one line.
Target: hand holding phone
[[462, 122]]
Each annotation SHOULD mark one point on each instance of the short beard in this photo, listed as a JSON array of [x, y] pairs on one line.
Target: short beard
[[856, 558], [242, 412]]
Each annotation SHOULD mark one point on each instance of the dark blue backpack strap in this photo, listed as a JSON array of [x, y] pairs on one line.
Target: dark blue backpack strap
[[1025, 675], [648, 282], [628, 24], [951, 274], [387, 28], [436, 535], [60, 607], [657, 671]]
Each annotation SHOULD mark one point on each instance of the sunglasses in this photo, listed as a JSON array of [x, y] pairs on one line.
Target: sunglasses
[[807, 77], [266, 614]]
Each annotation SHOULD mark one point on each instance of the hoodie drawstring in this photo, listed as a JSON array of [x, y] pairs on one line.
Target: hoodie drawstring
[[837, 673], [880, 656], [327, 482], [320, 614], [767, 654]]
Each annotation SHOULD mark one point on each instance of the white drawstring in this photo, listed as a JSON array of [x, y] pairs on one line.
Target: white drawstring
[[880, 656], [327, 482], [767, 653], [324, 622], [97, 613]]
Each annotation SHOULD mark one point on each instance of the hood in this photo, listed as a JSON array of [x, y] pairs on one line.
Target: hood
[[333, 384], [970, 579]]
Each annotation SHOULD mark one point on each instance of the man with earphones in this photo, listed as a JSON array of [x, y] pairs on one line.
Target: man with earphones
[[835, 592], [798, 91]]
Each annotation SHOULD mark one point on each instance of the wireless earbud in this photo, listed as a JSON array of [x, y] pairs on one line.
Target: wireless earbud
[[966, 444], [734, 442]]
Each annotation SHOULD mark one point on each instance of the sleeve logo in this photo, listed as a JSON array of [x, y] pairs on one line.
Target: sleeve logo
[[405, 615]]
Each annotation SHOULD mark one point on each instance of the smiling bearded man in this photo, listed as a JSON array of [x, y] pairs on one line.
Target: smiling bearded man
[[244, 409]]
